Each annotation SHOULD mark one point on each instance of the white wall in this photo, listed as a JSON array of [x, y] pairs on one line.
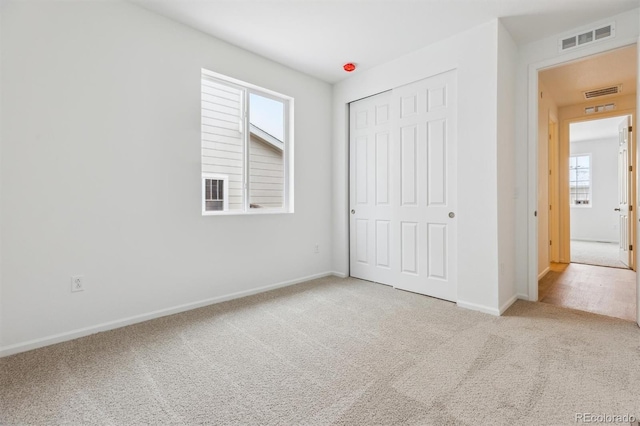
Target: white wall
[[546, 108], [100, 172], [598, 222], [474, 55], [532, 56], [506, 77]]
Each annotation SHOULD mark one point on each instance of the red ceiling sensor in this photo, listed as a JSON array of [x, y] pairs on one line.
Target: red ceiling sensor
[[349, 67]]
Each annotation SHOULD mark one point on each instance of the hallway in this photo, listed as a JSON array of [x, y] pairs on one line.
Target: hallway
[[601, 290]]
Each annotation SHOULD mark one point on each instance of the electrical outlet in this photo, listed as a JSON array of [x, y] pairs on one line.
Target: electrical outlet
[[316, 249], [77, 283]]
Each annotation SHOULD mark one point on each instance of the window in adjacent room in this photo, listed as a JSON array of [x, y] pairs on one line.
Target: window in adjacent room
[[580, 180], [215, 190], [247, 147]]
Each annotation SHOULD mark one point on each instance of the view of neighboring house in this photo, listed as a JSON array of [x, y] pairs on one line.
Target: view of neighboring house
[[223, 145], [266, 168]]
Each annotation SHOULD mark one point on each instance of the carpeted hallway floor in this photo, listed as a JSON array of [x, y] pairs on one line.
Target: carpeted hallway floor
[[333, 351]]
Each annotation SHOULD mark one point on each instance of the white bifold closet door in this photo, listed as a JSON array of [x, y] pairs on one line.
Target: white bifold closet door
[[403, 187]]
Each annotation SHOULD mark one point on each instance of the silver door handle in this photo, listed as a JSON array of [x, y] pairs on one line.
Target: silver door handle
[[353, 211], [452, 215], [616, 209]]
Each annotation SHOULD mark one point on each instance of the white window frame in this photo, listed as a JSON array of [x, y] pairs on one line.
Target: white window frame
[[288, 139], [225, 193], [583, 206]]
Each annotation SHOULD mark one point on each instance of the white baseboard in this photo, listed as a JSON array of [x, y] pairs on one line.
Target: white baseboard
[[508, 303], [480, 308], [523, 296], [543, 273], [595, 240], [339, 274], [86, 331], [486, 309]]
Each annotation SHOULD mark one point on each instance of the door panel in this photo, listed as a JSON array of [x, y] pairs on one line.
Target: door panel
[[409, 248], [437, 163], [382, 168], [370, 188], [361, 169], [403, 187], [362, 243], [437, 250], [408, 173], [428, 171], [383, 243]]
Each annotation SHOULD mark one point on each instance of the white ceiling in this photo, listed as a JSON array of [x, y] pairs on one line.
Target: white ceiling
[[605, 128], [318, 36], [567, 82]]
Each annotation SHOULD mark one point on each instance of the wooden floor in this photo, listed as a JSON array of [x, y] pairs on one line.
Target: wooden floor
[[597, 289]]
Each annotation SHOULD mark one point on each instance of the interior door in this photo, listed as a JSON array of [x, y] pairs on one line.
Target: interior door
[[636, 153], [624, 184], [424, 205], [554, 218], [370, 215], [403, 187]]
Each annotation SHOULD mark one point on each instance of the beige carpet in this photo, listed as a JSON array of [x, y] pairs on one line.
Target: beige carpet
[[596, 253], [334, 351]]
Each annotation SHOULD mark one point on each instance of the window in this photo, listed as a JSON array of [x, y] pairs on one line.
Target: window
[[215, 187], [247, 147], [580, 180]]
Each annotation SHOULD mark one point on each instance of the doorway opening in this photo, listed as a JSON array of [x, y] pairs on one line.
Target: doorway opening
[[586, 184], [599, 186]]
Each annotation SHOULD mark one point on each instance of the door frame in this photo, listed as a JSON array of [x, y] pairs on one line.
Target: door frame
[[532, 149], [564, 149], [554, 196]]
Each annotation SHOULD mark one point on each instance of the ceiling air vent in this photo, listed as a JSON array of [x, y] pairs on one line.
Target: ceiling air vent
[[605, 91], [587, 37]]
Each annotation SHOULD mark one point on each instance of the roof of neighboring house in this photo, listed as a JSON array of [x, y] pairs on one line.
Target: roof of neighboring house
[[266, 137]]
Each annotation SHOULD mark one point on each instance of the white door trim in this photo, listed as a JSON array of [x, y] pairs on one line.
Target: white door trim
[[532, 149], [564, 219]]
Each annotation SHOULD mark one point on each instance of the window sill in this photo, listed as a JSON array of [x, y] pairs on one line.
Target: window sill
[[249, 213]]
